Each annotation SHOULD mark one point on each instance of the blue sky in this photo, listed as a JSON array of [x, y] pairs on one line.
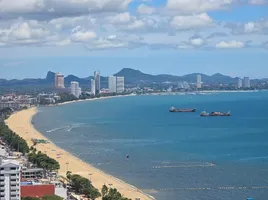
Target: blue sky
[[163, 36]]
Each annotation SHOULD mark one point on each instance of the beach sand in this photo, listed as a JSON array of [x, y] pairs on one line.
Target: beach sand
[[20, 123]]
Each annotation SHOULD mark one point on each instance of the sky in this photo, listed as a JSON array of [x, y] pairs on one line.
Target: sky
[[155, 36]]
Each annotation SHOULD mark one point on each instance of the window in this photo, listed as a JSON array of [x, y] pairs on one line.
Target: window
[[2, 168], [12, 168]]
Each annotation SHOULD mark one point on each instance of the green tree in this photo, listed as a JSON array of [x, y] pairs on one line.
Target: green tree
[[52, 197], [104, 190], [92, 193], [30, 198]]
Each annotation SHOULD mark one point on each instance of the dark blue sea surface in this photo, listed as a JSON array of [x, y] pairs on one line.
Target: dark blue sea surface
[[173, 156]]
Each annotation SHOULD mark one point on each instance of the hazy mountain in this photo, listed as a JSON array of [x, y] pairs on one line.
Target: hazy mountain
[[136, 76], [132, 77]]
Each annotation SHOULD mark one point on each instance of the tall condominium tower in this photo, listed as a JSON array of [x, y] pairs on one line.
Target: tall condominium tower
[[75, 89], [112, 84], [97, 82], [246, 82], [10, 179], [198, 81], [120, 84], [239, 83], [93, 88], [59, 80]]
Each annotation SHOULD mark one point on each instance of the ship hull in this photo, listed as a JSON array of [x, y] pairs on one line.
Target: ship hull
[[181, 110]]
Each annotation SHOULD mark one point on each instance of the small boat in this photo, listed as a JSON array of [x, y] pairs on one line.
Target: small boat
[[215, 114], [172, 109]]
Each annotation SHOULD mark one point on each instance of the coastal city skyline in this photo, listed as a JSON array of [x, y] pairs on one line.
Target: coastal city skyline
[[165, 36], [133, 99]]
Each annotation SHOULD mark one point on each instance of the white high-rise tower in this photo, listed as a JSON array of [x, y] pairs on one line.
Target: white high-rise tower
[[112, 84], [198, 81]]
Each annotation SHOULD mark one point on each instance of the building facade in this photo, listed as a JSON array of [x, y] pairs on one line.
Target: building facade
[[97, 82], [239, 84], [9, 180], [120, 84], [246, 82], [11, 104], [35, 173], [93, 88], [75, 89], [112, 84], [59, 81], [198, 81]]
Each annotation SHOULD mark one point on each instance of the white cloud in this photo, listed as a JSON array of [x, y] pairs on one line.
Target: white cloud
[[145, 9], [197, 41], [83, 36], [137, 24], [50, 8], [23, 33], [121, 18], [194, 6], [257, 2], [191, 22], [230, 44]]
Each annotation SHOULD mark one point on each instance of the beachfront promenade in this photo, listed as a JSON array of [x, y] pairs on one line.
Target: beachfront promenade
[[20, 123]]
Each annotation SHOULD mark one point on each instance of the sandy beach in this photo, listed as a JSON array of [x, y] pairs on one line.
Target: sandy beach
[[20, 122]]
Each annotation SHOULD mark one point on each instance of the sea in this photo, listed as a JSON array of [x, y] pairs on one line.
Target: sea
[[172, 156]]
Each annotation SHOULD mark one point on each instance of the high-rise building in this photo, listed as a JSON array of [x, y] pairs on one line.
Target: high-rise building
[[75, 89], [97, 82], [239, 83], [120, 84], [198, 81], [112, 84], [10, 180], [246, 82], [93, 88], [59, 80]]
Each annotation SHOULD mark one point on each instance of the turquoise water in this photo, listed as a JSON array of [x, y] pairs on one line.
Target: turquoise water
[[178, 155]]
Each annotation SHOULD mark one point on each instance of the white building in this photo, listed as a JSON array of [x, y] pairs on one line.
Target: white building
[[198, 81], [59, 80], [120, 84], [9, 180], [112, 84], [239, 83], [97, 82], [10, 104], [75, 89], [246, 82], [93, 88]]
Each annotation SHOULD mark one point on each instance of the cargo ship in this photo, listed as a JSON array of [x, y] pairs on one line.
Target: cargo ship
[[215, 114], [172, 109]]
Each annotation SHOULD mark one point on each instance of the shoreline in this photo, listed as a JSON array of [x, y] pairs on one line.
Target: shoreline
[[20, 123]]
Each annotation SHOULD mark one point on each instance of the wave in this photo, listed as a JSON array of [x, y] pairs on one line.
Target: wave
[[66, 128], [253, 158]]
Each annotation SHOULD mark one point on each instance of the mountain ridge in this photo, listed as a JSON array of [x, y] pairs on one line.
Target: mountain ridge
[[132, 77]]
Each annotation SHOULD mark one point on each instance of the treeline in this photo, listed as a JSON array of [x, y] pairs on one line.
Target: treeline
[[12, 140], [81, 185], [17, 143], [5, 113], [53, 197], [43, 161], [64, 97]]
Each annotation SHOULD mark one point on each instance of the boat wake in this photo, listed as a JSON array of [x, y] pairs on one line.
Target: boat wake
[[166, 164]]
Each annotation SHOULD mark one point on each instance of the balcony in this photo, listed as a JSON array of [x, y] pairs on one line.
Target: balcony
[[2, 178], [14, 198], [14, 193], [14, 187]]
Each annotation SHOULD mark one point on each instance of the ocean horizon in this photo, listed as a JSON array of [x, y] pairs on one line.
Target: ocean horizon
[[171, 155]]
